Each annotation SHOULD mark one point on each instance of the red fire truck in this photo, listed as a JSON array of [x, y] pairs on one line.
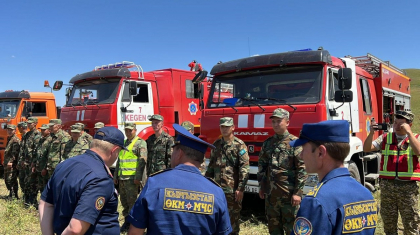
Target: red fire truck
[[119, 93], [313, 86]]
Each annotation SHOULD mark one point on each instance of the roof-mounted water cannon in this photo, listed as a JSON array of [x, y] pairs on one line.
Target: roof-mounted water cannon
[[125, 64]]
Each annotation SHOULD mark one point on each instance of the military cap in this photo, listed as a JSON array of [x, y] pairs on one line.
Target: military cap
[[76, 128], [130, 125], [326, 131], [226, 121], [80, 124], [156, 117], [405, 114], [22, 124], [188, 125], [280, 113], [112, 135], [32, 120], [99, 125], [189, 140], [44, 127], [11, 126], [54, 121]]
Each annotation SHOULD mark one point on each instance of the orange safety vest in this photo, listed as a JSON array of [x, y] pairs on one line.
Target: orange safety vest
[[398, 162]]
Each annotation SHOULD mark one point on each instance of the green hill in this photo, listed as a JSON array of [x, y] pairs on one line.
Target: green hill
[[414, 74]]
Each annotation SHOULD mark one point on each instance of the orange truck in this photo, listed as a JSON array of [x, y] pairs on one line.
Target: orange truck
[[17, 106]]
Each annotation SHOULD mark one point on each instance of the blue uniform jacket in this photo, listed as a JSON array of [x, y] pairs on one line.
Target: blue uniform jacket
[[337, 205], [81, 188], [181, 201]]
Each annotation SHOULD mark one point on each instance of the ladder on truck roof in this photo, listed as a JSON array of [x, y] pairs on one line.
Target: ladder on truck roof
[[371, 64]]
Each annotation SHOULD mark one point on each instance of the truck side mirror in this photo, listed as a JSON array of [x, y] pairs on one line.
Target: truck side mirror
[[344, 78], [27, 111], [57, 85], [343, 96], [133, 88], [200, 76]]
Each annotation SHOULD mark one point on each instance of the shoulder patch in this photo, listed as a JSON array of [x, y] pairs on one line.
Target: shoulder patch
[[100, 202], [242, 152], [302, 226], [214, 182], [313, 192], [158, 172]]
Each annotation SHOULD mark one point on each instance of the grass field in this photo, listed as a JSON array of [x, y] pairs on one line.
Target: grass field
[[16, 219]]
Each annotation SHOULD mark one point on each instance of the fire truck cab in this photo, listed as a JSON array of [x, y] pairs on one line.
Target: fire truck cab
[[313, 86], [121, 93]]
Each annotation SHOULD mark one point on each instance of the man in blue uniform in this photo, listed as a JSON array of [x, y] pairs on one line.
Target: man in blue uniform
[[338, 204], [80, 197], [180, 200]]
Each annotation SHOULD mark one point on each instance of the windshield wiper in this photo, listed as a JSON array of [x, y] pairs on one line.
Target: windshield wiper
[[94, 102], [253, 101], [280, 100], [82, 104]]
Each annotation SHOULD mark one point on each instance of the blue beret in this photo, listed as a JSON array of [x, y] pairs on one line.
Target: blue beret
[[112, 135], [187, 139], [326, 131]]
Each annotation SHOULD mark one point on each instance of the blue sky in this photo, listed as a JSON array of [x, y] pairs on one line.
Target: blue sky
[[56, 40]]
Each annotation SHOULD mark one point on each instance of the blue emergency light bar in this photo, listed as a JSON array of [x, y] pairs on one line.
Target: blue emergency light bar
[[306, 49], [124, 64]]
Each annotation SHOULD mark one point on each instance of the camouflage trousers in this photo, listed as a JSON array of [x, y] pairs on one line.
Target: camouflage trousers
[[31, 188], [42, 181], [280, 214], [128, 195], [402, 196], [234, 212], [21, 177], [10, 179]]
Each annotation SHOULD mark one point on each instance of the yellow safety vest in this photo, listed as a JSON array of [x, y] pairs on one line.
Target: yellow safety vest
[[128, 161]]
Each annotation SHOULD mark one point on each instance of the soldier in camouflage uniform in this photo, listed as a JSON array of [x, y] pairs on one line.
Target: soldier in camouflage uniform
[[398, 183], [282, 175], [11, 154], [98, 126], [189, 126], [25, 161], [130, 170], [40, 161], [22, 128], [229, 167], [76, 145], [85, 135], [56, 142], [159, 147]]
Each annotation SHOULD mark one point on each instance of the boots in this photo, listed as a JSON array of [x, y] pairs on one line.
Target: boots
[[10, 194], [15, 191]]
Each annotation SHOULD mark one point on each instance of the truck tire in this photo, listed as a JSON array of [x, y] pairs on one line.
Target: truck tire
[[354, 171]]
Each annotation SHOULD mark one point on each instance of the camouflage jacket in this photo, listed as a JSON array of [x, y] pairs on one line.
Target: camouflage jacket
[[11, 153], [87, 137], [140, 150], [229, 165], [159, 151], [40, 160], [281, 166], [55, 148], [74, 148], [27, 147]]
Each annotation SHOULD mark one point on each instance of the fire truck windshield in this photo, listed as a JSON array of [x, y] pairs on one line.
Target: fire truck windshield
[[9, 108], [94, 92], [290, 85]]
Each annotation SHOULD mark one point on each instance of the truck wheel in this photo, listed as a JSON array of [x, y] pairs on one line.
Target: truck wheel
[[354, 171]]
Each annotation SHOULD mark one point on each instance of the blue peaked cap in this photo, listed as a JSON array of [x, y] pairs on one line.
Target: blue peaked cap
[[187, 139], [326, 131], [112, 135]]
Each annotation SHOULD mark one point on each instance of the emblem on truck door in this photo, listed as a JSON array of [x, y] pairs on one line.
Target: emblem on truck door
[[192, 108]]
